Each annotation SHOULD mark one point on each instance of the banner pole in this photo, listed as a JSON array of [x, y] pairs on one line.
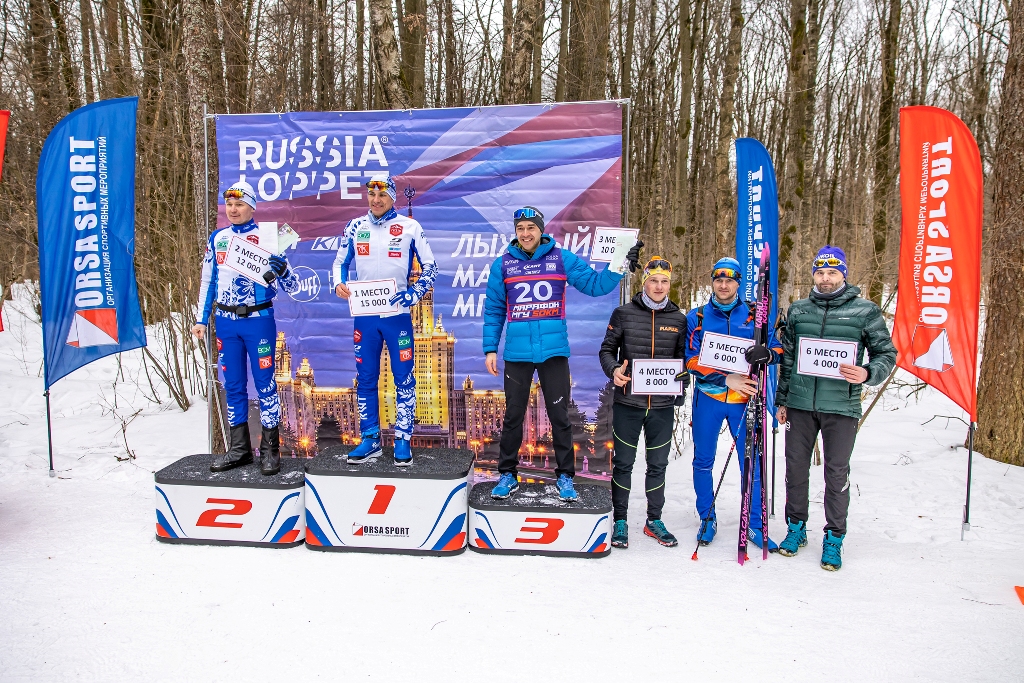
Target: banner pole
[[625, 292], [210, 393], [49, 432], [966, 526]]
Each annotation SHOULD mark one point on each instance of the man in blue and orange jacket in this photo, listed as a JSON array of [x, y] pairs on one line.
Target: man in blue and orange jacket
[[723, 396]]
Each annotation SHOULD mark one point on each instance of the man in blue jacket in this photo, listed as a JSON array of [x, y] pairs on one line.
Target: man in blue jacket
[[722, 396], [526, 289]]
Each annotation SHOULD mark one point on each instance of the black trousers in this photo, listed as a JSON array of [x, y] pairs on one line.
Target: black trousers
[[838, 433], [627, 421], [554, 384]]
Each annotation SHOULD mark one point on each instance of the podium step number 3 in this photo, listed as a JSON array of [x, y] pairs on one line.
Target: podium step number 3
[[534, 521]]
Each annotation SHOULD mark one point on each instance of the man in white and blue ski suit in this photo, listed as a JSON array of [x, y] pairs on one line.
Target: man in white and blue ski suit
[[245, 328], [382, 244]]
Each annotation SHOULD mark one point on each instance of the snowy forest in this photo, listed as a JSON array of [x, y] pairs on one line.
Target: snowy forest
[[819, 82]]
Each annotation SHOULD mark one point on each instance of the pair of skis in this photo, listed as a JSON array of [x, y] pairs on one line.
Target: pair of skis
[[757, 416]]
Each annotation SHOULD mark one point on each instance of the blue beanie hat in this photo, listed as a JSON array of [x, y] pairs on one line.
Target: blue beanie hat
[[829, 252], [730, 263], [388, 181]]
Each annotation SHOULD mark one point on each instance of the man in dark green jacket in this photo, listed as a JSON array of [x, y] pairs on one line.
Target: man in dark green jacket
[[819, 390]]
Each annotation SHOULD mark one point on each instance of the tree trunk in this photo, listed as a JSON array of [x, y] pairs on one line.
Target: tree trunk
[[538, 51], [387, 64], [236, 55], [1000, 401], [884, 175], [414, 45], [453, 88], [563, 53], [507, 48], [360, 54], [587, 74], [724, 197], [521, 89], [795, 163], [86, 24], [626, 86], [324, 59], [67, 71]]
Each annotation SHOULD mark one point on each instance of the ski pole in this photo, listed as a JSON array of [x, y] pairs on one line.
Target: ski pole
[[703, 522], [775, 431]]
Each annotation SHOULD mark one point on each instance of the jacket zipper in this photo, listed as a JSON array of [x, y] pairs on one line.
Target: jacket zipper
[[652, 354], [821, 335]]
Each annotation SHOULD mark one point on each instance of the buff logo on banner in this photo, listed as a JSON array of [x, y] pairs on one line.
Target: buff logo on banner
[[85, 194], [757, 227], [460, 173], [936, 326]]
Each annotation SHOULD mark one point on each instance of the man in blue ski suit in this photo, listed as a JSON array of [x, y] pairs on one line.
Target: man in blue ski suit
[[722, 396], [526, 289], [383, 244], [245, 327]]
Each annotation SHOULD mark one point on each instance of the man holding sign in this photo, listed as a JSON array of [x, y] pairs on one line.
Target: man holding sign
[[526, 290], [719, 351], [820, 382], [382, 245], [238, 283], [642, 353]]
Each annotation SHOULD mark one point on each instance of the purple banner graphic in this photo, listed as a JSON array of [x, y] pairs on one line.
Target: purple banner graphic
[[460, 173]]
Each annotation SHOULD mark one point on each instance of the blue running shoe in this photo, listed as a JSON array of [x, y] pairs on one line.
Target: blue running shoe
[[655, 528], [507, 484], [403, 453], [368, 449], [706, 531], [566, 491], [620, 534], [796, 538], [754, 535], [832, 552]]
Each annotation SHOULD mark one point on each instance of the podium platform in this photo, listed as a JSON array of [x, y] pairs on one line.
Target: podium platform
[[378, 507], [237, 507], [535, 521]]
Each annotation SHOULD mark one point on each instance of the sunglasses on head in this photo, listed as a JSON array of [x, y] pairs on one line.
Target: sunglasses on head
[[526, 213], [725, 272], [658, 264], [234, 194], [379, 185], [831, 262]]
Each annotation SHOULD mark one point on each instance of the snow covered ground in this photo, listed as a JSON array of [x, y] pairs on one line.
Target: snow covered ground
[[86, 592]]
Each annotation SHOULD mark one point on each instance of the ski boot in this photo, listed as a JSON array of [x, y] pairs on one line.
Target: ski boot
[[832, 552], [270, 451], [403, 452], [707, 530], [368, 449], [566, 491], [754, 536], [508, 483], [620, 534], [240, 452], [655, 528], [796, 538]]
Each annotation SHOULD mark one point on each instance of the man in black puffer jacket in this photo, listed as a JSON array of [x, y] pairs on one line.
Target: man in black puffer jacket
[[649, 326]]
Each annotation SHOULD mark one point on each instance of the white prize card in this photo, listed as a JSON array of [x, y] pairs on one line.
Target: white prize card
[[372, 297], [248, 259], [612, 242], [821, 357], [656, 376], [268, 236], [724, 352]]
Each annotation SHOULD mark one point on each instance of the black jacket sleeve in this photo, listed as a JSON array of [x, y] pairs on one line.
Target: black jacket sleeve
[[609, 353]]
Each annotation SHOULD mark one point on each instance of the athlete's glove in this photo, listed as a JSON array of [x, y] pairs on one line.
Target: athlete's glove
[[406, 299], [633, 256], [757, 354], [278, 268]]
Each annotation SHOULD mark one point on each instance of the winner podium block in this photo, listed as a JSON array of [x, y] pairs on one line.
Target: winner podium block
[[237, 507], [377, 507], [535, 521]]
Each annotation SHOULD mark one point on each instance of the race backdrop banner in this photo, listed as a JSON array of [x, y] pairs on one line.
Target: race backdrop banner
[[85, 202], [936, 326], [461, 173], [757, 227]]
